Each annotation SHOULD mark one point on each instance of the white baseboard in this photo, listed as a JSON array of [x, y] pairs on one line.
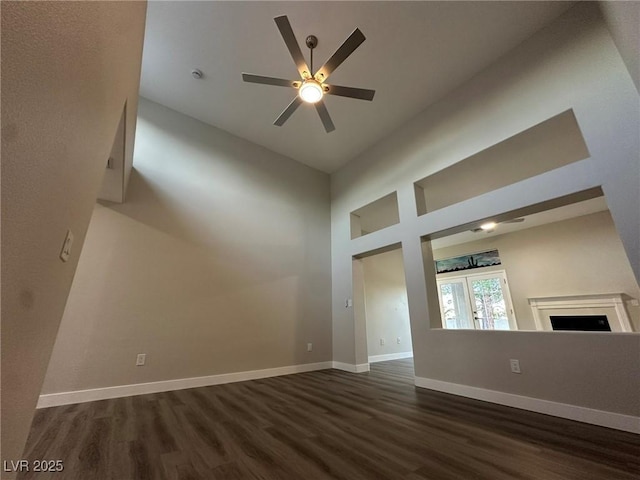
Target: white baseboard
[[349, 367], [390, 356], [81, 396], [602, 418]]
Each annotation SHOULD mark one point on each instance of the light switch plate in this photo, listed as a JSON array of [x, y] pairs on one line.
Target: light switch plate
[[66, 247]]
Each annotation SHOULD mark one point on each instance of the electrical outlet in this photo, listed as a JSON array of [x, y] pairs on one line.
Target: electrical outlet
[[309, 347], [515, 366], [382, 341], [398, 340], [141, 359]]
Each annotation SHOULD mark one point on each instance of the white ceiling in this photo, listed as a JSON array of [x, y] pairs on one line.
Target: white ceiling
[[415, 53]]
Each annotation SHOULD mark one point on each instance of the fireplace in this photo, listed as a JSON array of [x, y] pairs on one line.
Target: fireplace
[[596, 313], [583, 323]]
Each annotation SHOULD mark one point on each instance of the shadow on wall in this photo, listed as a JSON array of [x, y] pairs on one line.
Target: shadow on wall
[[226, 237], [219, 193], [218, 262], [257, 213]]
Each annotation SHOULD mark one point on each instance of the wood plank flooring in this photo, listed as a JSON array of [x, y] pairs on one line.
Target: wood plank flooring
[[322, 425]]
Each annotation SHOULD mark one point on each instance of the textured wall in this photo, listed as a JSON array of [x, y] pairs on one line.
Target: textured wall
[[67, 70]]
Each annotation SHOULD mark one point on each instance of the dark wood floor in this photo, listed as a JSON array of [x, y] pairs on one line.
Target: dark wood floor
[[323, 425]]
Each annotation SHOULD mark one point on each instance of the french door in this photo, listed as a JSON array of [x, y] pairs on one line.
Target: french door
[[480, 301]]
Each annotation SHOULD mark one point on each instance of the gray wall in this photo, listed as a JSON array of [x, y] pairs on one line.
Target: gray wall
[[67, 70], [574, 64], [218, 262], [387, 312], [622, 19], [578, 256]]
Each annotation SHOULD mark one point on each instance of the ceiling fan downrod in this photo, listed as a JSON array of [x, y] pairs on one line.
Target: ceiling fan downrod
[[312, 88], [312, 42]]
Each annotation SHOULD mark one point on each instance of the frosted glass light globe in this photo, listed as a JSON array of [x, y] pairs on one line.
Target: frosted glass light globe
[[310, 91]]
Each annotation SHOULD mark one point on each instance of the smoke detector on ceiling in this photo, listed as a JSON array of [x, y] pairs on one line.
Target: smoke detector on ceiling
[[197, 74]]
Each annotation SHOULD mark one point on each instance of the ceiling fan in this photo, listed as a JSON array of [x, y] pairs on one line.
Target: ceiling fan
[[311, 86]]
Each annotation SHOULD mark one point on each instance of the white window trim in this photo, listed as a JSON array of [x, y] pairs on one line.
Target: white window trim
[[506, 293]]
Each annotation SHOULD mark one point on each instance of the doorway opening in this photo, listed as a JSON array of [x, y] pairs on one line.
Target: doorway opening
[[381, 309]]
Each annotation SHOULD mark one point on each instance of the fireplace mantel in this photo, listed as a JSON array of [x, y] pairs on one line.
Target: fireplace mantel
[[616, 301]]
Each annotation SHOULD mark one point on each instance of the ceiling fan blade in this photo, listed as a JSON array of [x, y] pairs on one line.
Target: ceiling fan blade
[[279, 82], [287, 112], [321, 108], [340, 55], [292, 44], [359, 93]]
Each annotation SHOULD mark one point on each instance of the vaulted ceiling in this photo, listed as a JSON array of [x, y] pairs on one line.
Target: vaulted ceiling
[[415, 53]]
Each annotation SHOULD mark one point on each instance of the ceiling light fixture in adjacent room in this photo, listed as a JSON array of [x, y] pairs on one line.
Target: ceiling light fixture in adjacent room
[[487, 227]]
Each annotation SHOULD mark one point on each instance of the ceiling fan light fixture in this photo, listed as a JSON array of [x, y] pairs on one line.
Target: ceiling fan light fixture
[[312, 88], [311, 91]]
